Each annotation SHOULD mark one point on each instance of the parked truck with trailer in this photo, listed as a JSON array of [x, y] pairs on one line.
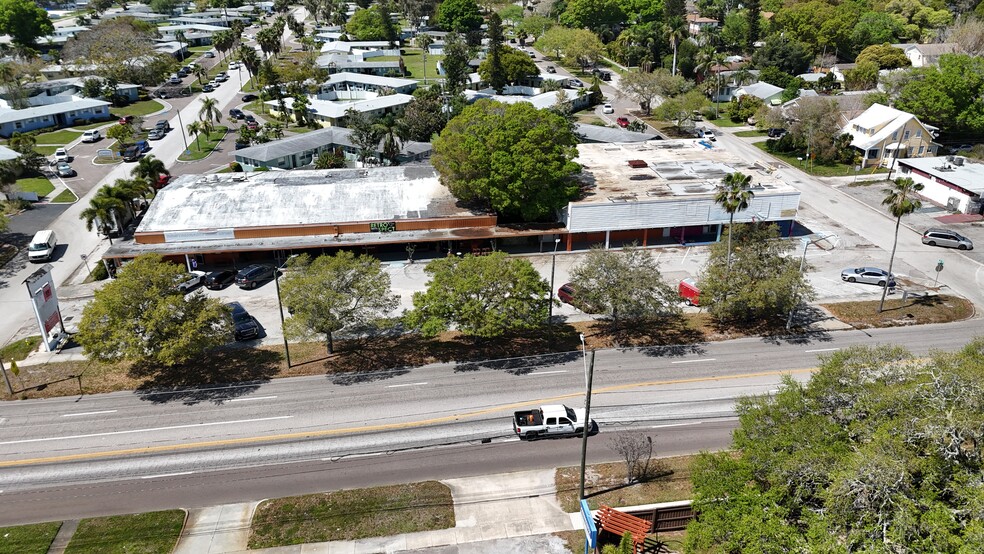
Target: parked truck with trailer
[[551, 420]]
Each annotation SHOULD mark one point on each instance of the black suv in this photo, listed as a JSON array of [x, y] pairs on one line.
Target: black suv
[[245, 325], [250, 277], [132, 153], [218, 280], [163, 125]]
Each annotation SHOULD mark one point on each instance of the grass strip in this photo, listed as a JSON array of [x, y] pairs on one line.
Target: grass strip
[[61, 137], [28, 539], [149, 533], [912, 311], [820, 170], [18, 350], [203, 145], [37, 184], [139, 108], [65, 196], [352, 514], [606, 484]]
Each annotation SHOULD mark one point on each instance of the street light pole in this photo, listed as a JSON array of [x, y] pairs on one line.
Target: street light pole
[[181, 124], [280, 304], [789, 321], [553, 270], [589, 376]]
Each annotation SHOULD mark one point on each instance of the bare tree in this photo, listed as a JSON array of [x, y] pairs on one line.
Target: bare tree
[[637, 451]]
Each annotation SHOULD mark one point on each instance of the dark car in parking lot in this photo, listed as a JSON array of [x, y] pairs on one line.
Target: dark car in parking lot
[[252, 276], [218, 280], [245, 326], [236, 113], [132, 153], [249, 97]]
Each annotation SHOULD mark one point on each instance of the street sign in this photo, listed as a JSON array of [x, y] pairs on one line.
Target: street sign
[[939, 266]]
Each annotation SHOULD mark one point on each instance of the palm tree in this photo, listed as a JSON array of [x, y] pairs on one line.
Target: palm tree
[[100, 213], [247, 54], [733, 196], [209, 111], [901, 201], [719, 60], [194, 128], [201, 73], [180, 37], [676, 32], [423, 42], [389, 129], [149, 169]]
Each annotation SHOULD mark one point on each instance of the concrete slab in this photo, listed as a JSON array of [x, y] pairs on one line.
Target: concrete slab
[[63, 537], [217, 530]]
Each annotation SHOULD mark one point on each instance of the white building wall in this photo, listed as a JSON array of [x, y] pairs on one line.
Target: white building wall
[[939, 193], [645, 213]]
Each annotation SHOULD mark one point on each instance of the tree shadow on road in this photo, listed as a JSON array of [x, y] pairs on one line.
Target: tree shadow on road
[[218, 376]]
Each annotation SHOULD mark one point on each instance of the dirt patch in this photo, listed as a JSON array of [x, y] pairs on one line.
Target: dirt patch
[[913, 311], [606, 484]]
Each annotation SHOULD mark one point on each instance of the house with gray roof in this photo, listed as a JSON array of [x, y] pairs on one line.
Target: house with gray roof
[[74, 110], [923, 55], [302, 150], [766, 92]]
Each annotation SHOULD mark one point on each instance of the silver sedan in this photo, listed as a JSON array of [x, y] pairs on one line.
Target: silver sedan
[[868, 275]]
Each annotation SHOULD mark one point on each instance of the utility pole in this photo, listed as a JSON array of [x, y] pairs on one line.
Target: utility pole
[[587, 419]]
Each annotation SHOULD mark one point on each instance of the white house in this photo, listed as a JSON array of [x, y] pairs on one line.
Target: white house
[[923, 55], [951, 181], [882, 133]]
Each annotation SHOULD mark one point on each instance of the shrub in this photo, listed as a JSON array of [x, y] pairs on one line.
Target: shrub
[[235, 166]]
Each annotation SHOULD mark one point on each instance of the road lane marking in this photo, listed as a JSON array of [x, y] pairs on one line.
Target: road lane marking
[[548, 372], [253, 398], [822, 350], [676, 425], [694, 361], [89, 413], [131, 431], [167, 475], [404, 385], [391, 426]]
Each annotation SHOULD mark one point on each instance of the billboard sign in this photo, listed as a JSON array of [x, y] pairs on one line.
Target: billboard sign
[[41, 287]]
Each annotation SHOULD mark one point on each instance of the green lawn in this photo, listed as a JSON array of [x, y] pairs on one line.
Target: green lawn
[[413, 60], [18, 350], [825, 170], [39, 184], [752, 134], [202, 146], [141, 108], [91, 125], [46, 150], [352, 514], [61, 137], [150, 533], [28, 539], [65, 196]]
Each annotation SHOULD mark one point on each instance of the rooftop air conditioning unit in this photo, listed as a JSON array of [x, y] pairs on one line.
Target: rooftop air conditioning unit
[[949, 159], [958, 161]]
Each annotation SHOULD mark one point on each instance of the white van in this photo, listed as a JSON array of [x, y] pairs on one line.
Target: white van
[[42, 246]]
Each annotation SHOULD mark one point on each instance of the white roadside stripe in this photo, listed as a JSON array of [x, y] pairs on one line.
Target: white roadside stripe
[[167, 475], [131, 431], [822, 350], [89, 413], [253, 398], [548, 372], [693, 361], [676, 425], [404, 385]]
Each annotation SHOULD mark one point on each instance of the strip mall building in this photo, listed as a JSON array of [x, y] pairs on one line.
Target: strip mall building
[[654, 193]]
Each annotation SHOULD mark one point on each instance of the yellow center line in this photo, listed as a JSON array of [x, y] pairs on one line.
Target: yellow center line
[[385, 426]]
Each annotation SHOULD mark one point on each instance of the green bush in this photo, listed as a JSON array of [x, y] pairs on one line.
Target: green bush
[[235, 166], [99, 273]]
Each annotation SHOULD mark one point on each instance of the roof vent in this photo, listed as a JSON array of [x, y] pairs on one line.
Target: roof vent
[[638, 164]]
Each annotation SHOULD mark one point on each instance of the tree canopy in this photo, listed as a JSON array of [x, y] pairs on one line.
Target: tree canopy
[[623, 284], [763, 282], [370, 24], [516, 66], [331, 293], [512, 158], [482, 296], [885, 56], [25, 21], [142, 317], [114, 44], [879, 452], [950, 95], [460, 16]]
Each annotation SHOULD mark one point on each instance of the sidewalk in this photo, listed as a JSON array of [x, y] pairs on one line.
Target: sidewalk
[[510, 512]]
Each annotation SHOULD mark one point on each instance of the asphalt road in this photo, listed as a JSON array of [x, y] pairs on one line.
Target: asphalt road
[[219, 444]]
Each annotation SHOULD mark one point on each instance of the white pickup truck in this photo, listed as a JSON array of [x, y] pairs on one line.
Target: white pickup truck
[[552, 420]]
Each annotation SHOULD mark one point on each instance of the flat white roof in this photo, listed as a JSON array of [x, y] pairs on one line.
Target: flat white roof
[[361, 78], [336, 110], [968, 176], [663, 168], [299, 197]]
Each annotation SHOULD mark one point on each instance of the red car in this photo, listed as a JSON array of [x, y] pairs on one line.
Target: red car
[[252, 125], [126, 120], [622, 121], [162, 180]]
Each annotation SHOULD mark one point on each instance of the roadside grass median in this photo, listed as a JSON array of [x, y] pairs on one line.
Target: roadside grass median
[[915, 310], [201, 145], [66, 197], [28, 539], [819, 170], [352, 514], [148, 533], [752, 134]]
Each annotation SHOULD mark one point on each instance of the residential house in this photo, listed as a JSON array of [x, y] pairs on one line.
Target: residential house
[[882, 134], [69, 86], [302, 150], [840, 70], [368, 94], [954, 182], [768, 93], [60, 112], [924, 55], [357, 84], [697, 23], [194, 34], [539, 99], [727, 84]]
